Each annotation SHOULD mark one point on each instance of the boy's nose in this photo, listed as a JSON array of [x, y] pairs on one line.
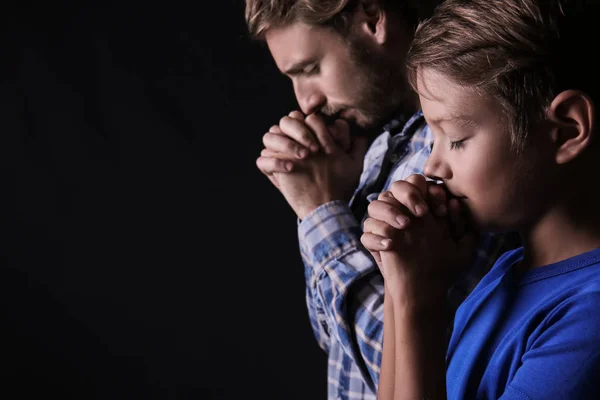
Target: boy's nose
[[435, 167]]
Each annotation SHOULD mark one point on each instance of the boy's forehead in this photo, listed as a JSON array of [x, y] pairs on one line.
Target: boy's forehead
[[444, 100]]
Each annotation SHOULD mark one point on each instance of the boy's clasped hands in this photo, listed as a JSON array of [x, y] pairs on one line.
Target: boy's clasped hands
[[420, 237]]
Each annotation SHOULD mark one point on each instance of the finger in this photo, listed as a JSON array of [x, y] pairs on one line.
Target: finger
[[375, 243], [437, 199], [340, 132], [375, 254], [268, 165], [396, 216], [379, 227], [280, 143], [299, 132], [389, 198], [321, 131], [297, 115], [410, 196], [276, 154], [420, 182], [275, 129]]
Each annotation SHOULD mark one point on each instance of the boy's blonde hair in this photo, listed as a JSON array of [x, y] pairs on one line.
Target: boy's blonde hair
[[523, 52]]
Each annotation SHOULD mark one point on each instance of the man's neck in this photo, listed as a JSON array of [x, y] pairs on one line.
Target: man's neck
[[402, 113]]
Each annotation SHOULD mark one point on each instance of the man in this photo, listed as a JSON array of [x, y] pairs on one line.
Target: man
[[346, 61]]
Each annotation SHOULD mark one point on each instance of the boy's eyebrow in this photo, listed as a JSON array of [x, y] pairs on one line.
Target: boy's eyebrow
[[462, 119], [297, 68]]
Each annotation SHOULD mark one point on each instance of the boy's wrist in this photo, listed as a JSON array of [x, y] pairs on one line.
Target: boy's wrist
[[418, 297]]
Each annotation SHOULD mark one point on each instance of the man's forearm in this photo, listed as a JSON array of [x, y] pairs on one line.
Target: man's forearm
[[346, 286]]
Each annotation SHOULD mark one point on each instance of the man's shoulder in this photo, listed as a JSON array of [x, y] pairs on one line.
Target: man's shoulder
[[397, 128]]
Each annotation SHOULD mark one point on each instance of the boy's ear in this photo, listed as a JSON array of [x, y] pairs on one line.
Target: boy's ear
[[572, 116], [371, 20]]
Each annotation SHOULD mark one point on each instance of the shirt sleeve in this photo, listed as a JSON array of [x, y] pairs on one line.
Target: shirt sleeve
[[563, 361], [344, 286]]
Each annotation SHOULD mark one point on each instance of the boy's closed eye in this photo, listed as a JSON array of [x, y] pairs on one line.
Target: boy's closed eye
[[454, 145], [457, 144]]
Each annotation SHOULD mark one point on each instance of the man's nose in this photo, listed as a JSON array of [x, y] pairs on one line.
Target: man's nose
[[310, 99]]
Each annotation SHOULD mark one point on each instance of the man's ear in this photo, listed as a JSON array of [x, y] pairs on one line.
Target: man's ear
[[572, 116], [371, 19]]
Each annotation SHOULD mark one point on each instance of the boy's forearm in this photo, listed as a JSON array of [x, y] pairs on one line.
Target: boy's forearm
[[419, 335], [420, 365]]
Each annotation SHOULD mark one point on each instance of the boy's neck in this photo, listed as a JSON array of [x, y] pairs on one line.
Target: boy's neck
[[562, 233]]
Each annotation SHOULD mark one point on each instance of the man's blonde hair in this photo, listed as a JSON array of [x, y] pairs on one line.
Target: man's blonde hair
[[262, 15]]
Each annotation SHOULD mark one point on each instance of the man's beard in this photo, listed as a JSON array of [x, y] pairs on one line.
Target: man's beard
[[383, 90]]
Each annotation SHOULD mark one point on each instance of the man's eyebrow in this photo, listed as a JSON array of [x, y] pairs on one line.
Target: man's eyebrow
[[297, 68]]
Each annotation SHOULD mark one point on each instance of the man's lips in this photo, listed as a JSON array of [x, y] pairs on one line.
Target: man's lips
[[329, 119]]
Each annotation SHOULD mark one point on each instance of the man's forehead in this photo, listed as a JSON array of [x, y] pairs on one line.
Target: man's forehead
[[294, 43]]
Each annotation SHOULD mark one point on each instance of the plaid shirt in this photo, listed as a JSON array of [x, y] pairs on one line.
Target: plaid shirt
[[344, 288]]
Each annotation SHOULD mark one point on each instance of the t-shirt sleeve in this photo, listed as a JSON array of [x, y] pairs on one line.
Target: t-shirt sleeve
[[562, 357]]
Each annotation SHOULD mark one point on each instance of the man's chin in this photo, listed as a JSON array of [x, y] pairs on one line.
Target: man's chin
[[359, 120], [360, 124]]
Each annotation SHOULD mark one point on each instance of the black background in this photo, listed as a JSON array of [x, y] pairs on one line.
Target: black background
[[143, 253]]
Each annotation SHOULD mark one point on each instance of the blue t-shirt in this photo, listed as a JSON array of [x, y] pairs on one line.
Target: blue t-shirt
[[533, 335]]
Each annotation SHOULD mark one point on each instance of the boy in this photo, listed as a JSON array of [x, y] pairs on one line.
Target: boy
[[510, 97]]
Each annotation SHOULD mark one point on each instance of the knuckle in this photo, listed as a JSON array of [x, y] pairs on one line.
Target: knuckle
[[267, 138], [373, 207], [284, 120], [314, 121], [364, 239], [405, 192], [388, 198], [260, 163], [415, 178], [398, 187]]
